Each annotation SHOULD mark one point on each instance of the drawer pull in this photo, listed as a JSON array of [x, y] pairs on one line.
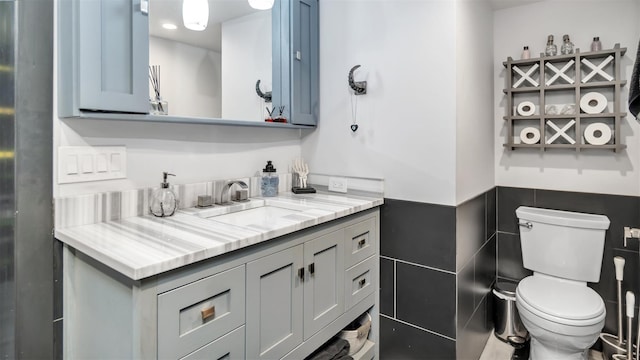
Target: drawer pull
[[208, 312], [301, 273], [362, 282], [312, 268], [361, 243]]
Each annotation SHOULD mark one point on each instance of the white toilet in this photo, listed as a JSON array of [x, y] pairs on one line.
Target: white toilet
[[564, 250]]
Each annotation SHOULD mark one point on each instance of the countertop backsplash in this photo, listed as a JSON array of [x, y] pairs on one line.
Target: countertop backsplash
[[109, 206]]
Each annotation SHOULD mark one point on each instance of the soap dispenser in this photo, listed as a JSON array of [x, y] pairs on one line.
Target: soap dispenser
[[270, 181], [164, 201]]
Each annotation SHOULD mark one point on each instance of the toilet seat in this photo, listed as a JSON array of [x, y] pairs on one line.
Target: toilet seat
[[560, 301]]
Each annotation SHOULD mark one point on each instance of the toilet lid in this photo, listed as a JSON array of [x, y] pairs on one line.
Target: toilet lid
[[560, 299]]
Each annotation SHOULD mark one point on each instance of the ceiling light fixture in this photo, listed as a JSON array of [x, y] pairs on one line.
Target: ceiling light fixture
[[261, 4], [195, 14], [169, 26]]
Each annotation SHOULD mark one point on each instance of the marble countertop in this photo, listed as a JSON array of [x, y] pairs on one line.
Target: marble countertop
[[144, 246]]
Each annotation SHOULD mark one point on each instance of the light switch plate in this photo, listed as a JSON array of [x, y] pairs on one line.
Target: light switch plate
[[338, 184], [91, 163]]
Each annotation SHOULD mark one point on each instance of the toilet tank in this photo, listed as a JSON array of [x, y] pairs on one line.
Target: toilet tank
[[563, 244]]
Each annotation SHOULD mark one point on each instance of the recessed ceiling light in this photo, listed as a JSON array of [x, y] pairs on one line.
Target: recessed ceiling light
[[169, 26]]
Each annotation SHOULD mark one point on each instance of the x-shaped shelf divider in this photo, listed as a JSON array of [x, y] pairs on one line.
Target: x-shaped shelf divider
[[525, 76], [559, 73], [561, 132], [599, 69]]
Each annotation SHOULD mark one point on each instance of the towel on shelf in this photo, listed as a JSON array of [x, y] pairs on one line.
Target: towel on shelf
[[336, 349], [634, 90]]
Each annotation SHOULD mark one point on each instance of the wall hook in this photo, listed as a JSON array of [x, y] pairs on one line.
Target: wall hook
[[266, 96], [359, 87]]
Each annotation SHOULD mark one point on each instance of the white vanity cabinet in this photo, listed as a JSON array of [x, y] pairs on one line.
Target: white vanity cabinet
[[280, 299]]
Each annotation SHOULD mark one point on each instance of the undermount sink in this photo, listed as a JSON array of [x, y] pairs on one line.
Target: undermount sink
[[258, 216], [259, 212]]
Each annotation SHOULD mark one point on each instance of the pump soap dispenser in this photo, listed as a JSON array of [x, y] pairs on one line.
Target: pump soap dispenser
[[163, 201], [270, 181]]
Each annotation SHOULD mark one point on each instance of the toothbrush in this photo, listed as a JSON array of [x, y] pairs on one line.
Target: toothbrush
[[631, 300]]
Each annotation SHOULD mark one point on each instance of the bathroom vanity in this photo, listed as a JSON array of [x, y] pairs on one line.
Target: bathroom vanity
[[188, 286]]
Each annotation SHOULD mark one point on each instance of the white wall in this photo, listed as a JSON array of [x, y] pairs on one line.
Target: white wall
[[614, 21], [407, 120], [246, 58], [190, 77], [474, 99]]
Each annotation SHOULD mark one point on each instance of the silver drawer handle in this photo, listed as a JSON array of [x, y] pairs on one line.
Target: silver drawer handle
[[527, 224]]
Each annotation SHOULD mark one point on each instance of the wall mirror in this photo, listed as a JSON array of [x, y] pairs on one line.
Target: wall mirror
[[213, 73]]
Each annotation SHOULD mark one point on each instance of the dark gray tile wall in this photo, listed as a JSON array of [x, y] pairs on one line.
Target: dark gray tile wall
[[621, 210], [425, 303], [417, 280], [476, 248], [419, 233]]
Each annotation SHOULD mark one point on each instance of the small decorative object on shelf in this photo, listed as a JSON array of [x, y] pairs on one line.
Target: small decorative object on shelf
[[539, 113], [551, 49], [526, 54], [302, 170], [596, 45], [567, 45], [158, 106]]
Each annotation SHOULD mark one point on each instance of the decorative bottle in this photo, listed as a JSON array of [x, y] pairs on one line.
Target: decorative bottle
[[551, 49], [164, 201], [567, 45], [596, 45], [525, 53], [270, 181]]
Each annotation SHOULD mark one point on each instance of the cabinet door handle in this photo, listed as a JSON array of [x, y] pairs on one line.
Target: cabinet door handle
[[301, 273], [362, 282], [361, 243], [298, 55], [208, 312], [312, 268]]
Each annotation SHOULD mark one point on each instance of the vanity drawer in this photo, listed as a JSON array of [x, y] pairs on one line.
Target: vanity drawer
[[360, 281], [195, 314], [228, 347], [360, 242]]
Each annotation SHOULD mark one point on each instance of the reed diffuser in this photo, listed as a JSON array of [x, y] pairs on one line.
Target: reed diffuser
[[158, 106]]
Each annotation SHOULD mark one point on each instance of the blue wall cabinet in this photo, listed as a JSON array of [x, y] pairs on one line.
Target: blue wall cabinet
[[304, 62], [103, 56]]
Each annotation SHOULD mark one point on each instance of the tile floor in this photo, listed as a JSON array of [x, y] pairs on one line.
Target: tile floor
[[498, 350]]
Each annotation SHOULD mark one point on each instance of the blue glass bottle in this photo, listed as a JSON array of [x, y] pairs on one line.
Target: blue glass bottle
[[270, 181]]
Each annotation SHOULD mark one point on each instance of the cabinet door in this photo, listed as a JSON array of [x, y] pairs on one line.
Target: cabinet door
[[305, 62], [324, 284], [112, 55], [274, 304]]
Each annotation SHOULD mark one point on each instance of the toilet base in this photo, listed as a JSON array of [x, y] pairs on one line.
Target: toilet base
[[549, 350]]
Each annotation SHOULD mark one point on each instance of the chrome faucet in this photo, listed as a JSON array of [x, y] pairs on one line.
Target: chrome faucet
[[224, 194]]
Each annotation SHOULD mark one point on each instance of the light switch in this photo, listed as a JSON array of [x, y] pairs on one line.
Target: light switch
[[87, 163], [116, 162], [101, 163], [91, 163], [71, 164]]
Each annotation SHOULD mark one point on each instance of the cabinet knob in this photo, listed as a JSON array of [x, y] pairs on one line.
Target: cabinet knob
[[301, 273], [312, 268], [361, 243], [208, 312]]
